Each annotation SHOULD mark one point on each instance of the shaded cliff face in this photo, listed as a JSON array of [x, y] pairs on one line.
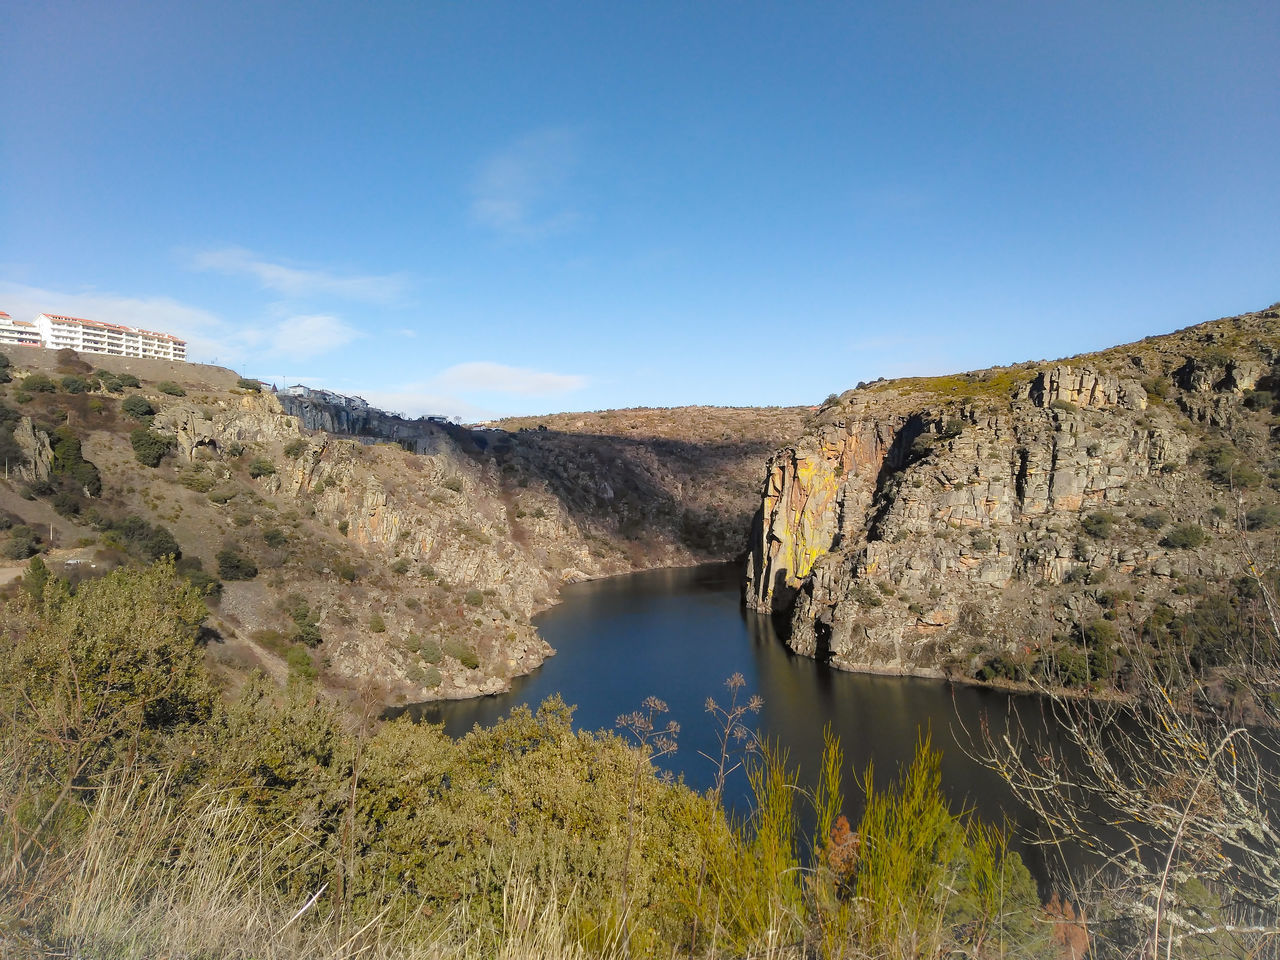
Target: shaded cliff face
[[412, 554], [933, 526]]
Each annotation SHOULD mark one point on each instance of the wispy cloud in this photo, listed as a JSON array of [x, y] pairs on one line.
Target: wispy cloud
[[309, 335], [486, 377], [302, 282], [522, 192]]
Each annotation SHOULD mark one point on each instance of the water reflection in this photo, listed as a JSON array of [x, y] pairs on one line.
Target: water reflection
[[678, 634]]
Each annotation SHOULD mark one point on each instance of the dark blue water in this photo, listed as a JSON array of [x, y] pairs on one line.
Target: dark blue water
[[678, 634]]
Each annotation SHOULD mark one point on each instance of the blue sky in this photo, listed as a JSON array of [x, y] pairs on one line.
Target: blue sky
[[479, 208]]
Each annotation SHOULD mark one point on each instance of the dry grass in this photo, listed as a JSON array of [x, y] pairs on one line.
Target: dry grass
[[151, 877]]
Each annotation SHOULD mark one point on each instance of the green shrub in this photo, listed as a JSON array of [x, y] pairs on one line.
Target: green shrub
[[261, 467], [38, 383], [274, 537], [343, 526], [234, 449], [128, 380], [224, 494], [73, 384], [70, 466], [430, 650], [1065, 665], [474, 598], [377, 624], [1259, 399], [149, 448], [1155, 520], [137, 406], [453, 483], [1225, 466], [1066, 406], [300, 663], [171, 388], [1262, 518], [295, 448], [1099, 525], [232, 565], [462, 653], [1185, 536], [199, 482], [22, 543], [253, 386]]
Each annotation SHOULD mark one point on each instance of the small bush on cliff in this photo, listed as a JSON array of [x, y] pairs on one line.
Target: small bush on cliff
[[1262, 518], [261, 467], [1099, 525], [462, 653], [1185, 536], [149, 448], [295, 448], [171, 388], [1154, 520], [137, 406], [232, 565], [38, 383], [253, 386]]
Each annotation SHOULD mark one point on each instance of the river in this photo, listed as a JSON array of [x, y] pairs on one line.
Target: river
[[678, 634]]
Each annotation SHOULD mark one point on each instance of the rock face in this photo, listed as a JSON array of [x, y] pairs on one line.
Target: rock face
[[35, 447], [449, 539], [925, 526]]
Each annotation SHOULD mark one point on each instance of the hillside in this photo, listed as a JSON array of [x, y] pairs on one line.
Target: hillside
[[1043, 522], [399, 559]]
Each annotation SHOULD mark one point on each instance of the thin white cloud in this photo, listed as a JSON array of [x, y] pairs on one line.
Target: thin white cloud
[[309, 335], [301, 282], [486, 377], [521, 192]]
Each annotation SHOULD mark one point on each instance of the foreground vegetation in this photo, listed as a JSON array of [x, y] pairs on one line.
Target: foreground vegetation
[[144, 814]]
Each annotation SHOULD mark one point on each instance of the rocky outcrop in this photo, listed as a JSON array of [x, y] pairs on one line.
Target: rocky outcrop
[[422, 435], [37, 465], [923, 526], [248, 418]]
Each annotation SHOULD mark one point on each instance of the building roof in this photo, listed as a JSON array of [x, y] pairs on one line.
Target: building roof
[[112, 326]]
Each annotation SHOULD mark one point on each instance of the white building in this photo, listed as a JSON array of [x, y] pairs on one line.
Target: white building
[[21, 332], [94, 336]]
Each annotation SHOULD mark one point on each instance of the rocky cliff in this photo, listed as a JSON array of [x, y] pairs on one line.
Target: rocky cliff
[[979, 524], [400, 559]]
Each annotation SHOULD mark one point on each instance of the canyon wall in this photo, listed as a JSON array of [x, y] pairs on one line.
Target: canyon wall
[[930, 526]]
